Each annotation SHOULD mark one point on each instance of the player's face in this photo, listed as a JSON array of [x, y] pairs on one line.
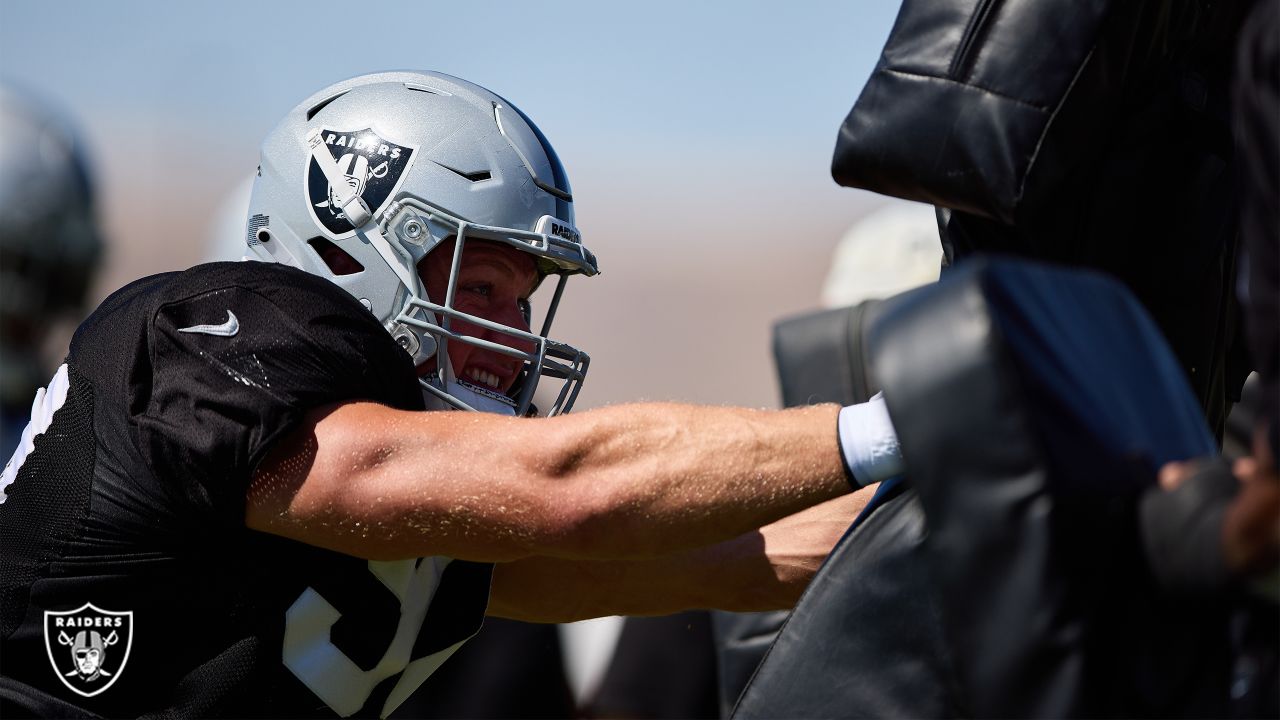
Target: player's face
[[87, 660], [494, 282]]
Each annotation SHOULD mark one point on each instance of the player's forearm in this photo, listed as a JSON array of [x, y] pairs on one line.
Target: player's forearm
[[659, 478], [760, 570], [628, 481], [556, 590]]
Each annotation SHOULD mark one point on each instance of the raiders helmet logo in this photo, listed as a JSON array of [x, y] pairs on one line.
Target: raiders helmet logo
[[88, 647], [373, 166]]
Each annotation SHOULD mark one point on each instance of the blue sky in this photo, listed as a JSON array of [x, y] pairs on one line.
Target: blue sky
[[652, 76], [697, 137]]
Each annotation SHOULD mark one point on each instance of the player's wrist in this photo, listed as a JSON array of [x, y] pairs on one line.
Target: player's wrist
[[868, 443]]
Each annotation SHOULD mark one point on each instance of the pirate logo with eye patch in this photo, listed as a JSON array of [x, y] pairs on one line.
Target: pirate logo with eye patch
[[372, 166], [88, 647]]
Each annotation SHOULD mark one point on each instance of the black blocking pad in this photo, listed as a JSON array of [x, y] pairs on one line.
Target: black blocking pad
[[820, 358], [864, 639], [1034, 404]]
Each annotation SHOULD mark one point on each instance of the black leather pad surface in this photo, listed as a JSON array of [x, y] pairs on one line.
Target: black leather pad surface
[[1033, 404]]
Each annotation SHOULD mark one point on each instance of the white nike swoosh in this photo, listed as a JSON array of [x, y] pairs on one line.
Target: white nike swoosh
[[226, 329]]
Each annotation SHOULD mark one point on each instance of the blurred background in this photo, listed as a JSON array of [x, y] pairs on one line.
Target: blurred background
[[697, 137]]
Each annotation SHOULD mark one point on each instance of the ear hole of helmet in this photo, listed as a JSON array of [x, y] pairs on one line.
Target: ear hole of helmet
[[339, 261]]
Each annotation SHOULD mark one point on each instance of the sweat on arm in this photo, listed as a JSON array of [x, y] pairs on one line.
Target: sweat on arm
[[623, 482]]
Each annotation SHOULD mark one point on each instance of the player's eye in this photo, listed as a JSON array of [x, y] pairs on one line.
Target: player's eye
[[482, 289]]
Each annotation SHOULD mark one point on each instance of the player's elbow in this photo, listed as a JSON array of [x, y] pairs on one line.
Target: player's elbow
[[330, 483]]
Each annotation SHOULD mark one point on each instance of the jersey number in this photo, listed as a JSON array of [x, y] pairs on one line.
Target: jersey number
[[337, 680]]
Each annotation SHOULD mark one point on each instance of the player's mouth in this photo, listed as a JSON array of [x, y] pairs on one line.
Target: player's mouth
[[484, 378]]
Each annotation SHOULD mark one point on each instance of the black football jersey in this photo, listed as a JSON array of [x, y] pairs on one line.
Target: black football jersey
[[129, 584]]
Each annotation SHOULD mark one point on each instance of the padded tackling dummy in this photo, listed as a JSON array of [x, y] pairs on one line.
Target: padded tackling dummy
[[819, 358], [1003, 576]]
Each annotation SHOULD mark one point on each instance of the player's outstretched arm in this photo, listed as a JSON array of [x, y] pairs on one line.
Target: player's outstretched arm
[[628, 481], [764, 569]]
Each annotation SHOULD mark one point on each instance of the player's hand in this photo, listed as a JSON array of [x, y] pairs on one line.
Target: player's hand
[[797, 545], [1250, 536]]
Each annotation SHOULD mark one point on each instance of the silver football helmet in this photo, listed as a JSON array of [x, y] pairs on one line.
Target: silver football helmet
[[390, 166]]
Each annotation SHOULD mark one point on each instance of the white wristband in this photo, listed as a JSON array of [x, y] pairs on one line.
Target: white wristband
[[868, 442]]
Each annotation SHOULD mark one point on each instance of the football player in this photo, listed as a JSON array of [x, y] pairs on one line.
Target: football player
[[49, 246], [233, 472]]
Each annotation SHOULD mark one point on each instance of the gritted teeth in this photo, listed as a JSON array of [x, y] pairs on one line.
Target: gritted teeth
[[482, 377]]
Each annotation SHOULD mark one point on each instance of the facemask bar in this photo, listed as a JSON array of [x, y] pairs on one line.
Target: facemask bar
[[568, 255], [549, 357]]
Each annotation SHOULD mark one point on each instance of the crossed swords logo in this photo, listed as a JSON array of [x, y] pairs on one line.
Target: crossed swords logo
[[355, 170], [360, 181], [98, 642]]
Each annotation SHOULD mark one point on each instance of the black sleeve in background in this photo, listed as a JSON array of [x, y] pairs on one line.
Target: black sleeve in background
[[1256, 115], [1256, 106]]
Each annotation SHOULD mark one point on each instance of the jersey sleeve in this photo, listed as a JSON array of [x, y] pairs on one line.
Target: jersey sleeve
[[235, 362]]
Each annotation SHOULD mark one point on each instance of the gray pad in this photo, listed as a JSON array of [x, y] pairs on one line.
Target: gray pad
[[819, 357]]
